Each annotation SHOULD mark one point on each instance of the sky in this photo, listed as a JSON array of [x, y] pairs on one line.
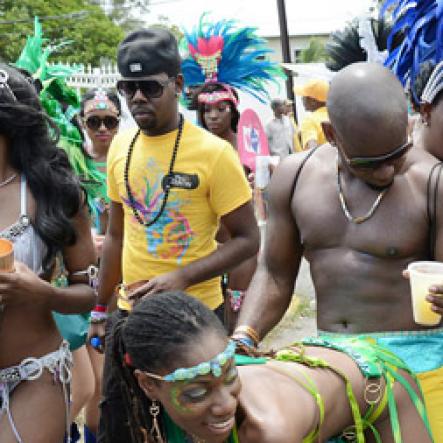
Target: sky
[[303, 16]]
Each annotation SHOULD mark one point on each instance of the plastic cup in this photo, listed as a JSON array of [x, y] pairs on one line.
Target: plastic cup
[[6, 256], [423, 275]]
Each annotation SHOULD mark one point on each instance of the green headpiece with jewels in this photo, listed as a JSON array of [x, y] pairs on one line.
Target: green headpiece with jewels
[[214, 367], [61, 103]]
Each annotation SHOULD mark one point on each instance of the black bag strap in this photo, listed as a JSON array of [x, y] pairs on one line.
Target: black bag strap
[[302, 164], [432, 199]]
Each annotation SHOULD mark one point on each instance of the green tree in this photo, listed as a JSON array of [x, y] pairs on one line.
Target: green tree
[[125, 13], [94, 36], [315, 52]]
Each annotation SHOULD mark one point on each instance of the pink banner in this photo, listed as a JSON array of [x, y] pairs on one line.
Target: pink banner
[[251, 138]]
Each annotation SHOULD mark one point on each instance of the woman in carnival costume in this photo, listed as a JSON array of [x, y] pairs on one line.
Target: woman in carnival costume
[[62, 104], [219, 58], [46, 216], [417, 61], [100, 112], [183, 382]]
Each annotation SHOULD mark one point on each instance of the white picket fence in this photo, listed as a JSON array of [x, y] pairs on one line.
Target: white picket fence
[[89, 77]]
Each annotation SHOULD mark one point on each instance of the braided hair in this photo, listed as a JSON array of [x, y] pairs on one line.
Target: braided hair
[[32, 138], [151, 338], [429, 79]]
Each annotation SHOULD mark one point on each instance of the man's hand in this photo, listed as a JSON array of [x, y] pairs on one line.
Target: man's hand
[[436, 298], [171, 281]]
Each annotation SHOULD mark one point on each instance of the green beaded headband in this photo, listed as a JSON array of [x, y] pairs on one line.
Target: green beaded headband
[[213, 366]]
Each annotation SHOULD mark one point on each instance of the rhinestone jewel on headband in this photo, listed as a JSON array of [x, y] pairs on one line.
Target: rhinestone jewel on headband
[[4, 77], [213, 366]]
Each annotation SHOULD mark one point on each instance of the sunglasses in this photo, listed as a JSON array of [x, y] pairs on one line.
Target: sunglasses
[[375, 162], [149, 88], [95, 122]]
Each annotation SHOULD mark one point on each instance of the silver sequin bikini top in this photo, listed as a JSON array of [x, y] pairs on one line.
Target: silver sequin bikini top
[[29, 248]]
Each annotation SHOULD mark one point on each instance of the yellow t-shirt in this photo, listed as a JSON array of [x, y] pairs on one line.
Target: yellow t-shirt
[[209, 183], [311, 127]]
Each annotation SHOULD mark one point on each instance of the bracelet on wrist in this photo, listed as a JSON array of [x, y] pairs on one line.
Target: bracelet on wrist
[[99, 307], [244, 340], [247, 331], [98, 317]]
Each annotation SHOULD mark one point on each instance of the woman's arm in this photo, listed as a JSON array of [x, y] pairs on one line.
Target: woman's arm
[[78, 296], [25, 287]]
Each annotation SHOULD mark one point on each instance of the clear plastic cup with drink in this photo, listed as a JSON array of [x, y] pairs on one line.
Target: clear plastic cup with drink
[[6, 256], [423, 275]]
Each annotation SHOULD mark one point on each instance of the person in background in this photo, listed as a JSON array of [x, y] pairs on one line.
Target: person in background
[[314, 94], [280, 131], [289, 107], [218, 113], [428, 88], [99, 118]]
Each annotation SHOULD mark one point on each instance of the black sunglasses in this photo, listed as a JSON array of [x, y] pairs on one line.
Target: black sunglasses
[[94, 122], [149, 88], [375, 162]]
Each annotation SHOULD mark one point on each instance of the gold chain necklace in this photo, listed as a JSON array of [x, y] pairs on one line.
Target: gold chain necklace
[[349, 216]]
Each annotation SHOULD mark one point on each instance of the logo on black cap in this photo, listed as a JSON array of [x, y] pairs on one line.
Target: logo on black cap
[[135, 67]]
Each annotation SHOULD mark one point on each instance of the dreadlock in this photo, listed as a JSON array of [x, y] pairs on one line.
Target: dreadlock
[[150, 339]]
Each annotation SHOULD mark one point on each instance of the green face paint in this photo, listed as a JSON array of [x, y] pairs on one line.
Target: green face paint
[[174, 395]]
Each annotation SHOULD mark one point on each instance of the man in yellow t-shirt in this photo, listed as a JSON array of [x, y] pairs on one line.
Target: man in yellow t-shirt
[[170, 184], [315, 94]]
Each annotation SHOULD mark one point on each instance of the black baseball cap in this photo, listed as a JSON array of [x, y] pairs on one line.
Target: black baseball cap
[[148, 51]]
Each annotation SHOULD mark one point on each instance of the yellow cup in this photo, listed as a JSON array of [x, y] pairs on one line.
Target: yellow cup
[[423, 275]]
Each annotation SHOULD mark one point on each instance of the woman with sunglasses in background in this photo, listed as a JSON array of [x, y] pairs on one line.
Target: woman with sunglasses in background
[[182, 382], [43, 214], [99, 118]]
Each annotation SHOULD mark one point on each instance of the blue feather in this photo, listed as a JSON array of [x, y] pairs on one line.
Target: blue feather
[[243, 64]]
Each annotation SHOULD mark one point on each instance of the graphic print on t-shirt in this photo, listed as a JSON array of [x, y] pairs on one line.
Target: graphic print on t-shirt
[[170, 236]]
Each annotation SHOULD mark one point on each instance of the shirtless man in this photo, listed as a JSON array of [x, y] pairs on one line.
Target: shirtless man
[[358, 213]]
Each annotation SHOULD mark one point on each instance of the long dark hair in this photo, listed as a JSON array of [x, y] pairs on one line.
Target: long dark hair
[[212, 87], [33, 152], [150, 339]]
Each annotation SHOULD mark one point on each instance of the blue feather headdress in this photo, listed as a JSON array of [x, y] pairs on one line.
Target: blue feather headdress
[[224, 53], [421, 22]]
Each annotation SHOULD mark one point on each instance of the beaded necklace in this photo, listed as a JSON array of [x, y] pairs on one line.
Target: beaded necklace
[[166, 181], [349, 216]]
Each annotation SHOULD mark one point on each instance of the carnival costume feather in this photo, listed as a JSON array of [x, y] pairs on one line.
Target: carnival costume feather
[[363, 39], [62, 103], [421, 22], [223, 52]]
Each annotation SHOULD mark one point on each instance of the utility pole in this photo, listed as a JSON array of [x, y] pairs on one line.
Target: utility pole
[[286, 50]]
